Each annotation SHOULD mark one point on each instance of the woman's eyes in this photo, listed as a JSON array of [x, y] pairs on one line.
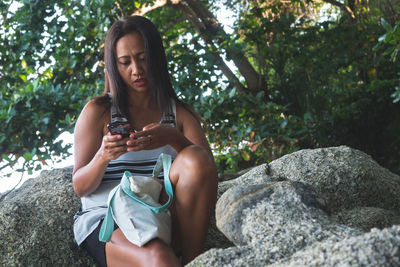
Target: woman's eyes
[[128, 62]]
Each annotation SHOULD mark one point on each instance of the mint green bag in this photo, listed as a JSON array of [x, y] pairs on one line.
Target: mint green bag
[[133, 205]]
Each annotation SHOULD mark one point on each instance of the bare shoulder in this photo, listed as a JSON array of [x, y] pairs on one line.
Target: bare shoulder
[[190, 126], [185, 117], [88, 133], [93, 115], [94, 109]]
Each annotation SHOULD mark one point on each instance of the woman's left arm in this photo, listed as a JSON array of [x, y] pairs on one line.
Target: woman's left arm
[[191, 129]]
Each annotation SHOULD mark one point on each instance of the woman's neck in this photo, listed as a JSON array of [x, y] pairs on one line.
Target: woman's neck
[[141, 100], [143, 110]]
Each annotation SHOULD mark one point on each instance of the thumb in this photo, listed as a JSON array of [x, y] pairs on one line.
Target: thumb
[[149, 126]]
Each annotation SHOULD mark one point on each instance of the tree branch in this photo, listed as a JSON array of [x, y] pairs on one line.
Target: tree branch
[[198, 24], [200, 27], [171, 24], [157, 4], [228, 73], [210, 29], [5, 166], [393, 14], [346, 9], [214, 30]]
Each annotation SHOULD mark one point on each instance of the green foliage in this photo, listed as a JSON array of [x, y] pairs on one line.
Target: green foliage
[[391, 38], [390, 41], [50, 51], [247, 129], [325, 84], [330, 77]]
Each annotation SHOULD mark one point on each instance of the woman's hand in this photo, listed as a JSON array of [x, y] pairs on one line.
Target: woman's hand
[[94, 148], [112, 146], [152, 136]]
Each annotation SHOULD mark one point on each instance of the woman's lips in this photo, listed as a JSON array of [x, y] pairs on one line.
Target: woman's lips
[[139, 82]]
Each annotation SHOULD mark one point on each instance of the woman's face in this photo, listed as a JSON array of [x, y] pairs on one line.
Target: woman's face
[[131, 62]]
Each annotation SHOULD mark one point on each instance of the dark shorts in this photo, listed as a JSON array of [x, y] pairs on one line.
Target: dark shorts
[[96, 248]]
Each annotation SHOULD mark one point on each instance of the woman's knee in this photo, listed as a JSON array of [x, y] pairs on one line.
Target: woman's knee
[[196, 159], [159, 254], [194, 168]]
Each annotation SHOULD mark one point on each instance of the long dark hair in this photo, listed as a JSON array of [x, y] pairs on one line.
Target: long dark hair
[[157, 67]]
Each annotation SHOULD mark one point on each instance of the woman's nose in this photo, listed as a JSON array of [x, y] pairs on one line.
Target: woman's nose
[[136, 68]]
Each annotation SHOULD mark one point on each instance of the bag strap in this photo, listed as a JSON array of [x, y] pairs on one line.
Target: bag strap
[[107, 227], [164, 162]]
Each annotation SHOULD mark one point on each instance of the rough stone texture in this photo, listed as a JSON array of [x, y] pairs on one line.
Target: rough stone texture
[[376, 248], [285, 212], [229, 176], [366, 218], [36, 224], [268, 222], [215, 238], [309, 208], [343, 178]]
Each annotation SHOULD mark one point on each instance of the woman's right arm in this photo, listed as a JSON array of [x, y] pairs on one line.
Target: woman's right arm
[[93, 149]]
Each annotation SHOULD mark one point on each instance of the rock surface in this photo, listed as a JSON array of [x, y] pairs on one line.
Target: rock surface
[[36, 224], [312, 207], [376, 248]]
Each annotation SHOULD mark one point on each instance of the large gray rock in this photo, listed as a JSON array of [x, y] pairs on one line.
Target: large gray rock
[[343, 178], [366, 218], [309, 207], [376, 248], [283, 212], [36, 224], [311, 204], [268, 222]]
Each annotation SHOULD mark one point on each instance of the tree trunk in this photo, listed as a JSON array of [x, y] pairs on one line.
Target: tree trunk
[[346, 9], [255, 82]]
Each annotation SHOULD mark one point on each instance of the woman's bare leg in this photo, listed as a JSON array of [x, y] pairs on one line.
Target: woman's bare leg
[[120, 252], [195, 178]]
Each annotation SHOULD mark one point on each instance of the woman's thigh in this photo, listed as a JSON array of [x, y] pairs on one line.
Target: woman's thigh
[[121, 252], [195, 178]]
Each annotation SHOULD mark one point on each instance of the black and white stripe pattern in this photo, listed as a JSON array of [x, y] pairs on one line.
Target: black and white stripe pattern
[[116, 169], [139, 162]]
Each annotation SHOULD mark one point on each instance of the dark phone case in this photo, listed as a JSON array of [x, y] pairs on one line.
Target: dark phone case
[[117, 128]]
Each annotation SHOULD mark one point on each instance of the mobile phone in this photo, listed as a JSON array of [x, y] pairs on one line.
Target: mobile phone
[[118, 127]]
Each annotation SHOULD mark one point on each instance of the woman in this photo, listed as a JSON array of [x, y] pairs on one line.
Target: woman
[[138, 81]]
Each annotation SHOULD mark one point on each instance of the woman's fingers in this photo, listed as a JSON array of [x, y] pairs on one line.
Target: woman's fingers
[[150, 126], [139, 135], [114, 140], [139, 143], [153, 136], [113, 146]]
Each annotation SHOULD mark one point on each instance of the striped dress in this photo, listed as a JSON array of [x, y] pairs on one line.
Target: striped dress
[[94, 206]]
